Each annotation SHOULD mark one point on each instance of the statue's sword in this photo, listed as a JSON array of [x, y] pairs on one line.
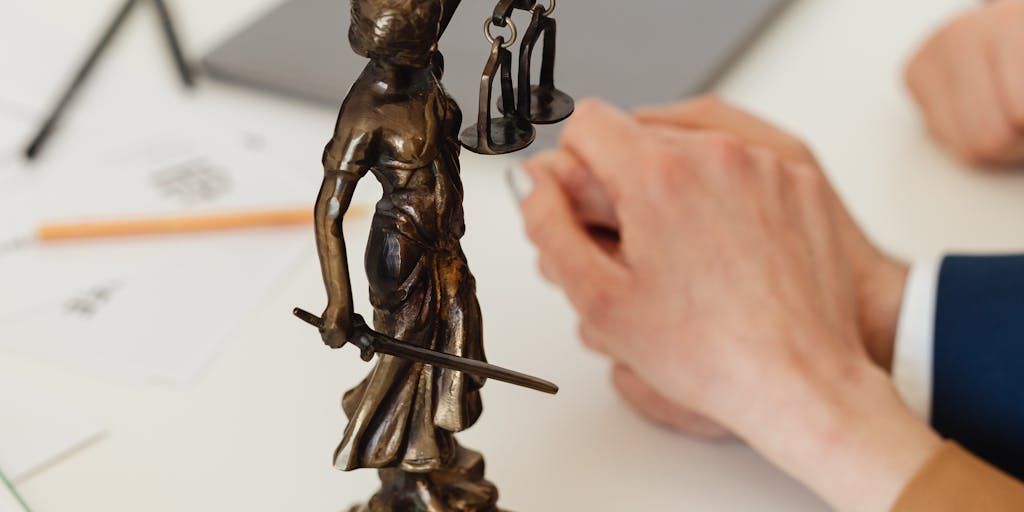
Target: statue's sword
[[371, 342]]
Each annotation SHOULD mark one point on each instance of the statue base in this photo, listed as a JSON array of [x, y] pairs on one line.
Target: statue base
[[460, 488]]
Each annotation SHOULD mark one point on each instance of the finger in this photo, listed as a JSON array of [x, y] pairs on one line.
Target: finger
[[989, 134], [606, 240], [819, 244], [1008, 56], [928, 83], [670, 136], [594, 339], [589, 199], [711, 113], [699, 159], [608, 142], [546, 270], [570, 256], [652, 405], [609, 241]]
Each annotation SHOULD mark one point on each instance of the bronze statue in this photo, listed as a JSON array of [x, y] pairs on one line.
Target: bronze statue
[[399, 124]]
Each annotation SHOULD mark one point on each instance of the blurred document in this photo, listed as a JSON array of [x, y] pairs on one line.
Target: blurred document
[[146, 307], [37, 430]]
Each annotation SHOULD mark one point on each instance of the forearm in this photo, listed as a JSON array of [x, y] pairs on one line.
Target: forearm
[[332, 203]]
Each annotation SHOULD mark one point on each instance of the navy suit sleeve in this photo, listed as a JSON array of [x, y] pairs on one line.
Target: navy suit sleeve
[[978, 387]]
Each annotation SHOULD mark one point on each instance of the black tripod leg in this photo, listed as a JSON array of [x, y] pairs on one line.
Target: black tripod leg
[[173, 42], [50, 124]]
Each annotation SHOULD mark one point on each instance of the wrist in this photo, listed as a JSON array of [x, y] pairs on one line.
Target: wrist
[[880, 300], [337, 309], [848, 437]]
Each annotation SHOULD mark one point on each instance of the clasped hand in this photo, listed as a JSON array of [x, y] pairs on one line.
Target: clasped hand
[[735, 293]]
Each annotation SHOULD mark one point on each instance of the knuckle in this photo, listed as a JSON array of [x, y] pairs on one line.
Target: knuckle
[[914, 76], [621, 377], [576, 178], [808, 180], [588, 108], [707, 104], [991, 143], [591, 120], [534, 223], [538, 209], [582, 120], [1015, 111], [544, 267], [726, 151], [587, 337], [971, 155], [597, 305], [801, 151], [961, 27], [666, 169], [774, 165], [910, 74]]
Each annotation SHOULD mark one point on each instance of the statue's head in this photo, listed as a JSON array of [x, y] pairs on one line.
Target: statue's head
[[400, 31]]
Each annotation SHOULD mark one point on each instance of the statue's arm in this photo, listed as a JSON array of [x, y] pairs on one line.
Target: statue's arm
[[331, 205]]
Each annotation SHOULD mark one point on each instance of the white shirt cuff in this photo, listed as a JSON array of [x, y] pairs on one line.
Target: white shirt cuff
[[914, 348]]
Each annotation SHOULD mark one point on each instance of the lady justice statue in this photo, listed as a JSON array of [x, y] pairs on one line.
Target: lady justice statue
[[399, 124]]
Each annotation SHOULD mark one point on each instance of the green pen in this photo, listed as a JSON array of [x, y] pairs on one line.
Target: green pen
[[14, 492]]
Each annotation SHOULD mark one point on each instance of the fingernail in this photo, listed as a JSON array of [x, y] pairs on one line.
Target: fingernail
[[519, 182]]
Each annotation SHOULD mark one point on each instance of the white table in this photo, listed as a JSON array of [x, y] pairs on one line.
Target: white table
[[256, 432]]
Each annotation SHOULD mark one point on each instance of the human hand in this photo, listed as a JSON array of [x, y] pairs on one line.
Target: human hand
[[337, 326], [595, 211], [968, 80], [879, 278], [728, 289]]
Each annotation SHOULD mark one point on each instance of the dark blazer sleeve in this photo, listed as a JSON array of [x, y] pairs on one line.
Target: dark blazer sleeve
[[978, 386]]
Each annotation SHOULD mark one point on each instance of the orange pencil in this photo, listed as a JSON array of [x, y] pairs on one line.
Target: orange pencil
[[183, 224]]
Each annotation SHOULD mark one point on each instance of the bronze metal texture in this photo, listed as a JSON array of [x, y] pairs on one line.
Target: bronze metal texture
[[503, 11], [370, 343], [542, 103], [398, 124], [498, 135]]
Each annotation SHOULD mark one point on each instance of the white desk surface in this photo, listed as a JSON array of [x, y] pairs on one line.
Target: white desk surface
[[256, 432]]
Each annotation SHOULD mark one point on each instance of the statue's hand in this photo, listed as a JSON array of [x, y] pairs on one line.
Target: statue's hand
[[336, 328]]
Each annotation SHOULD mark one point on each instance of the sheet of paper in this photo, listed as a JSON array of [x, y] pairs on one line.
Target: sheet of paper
[[14, 131], [8, 503], [154, 307], [42, 62], [38, 429]]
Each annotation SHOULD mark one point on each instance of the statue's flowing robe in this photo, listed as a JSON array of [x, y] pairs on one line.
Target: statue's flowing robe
[[404, 414]]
